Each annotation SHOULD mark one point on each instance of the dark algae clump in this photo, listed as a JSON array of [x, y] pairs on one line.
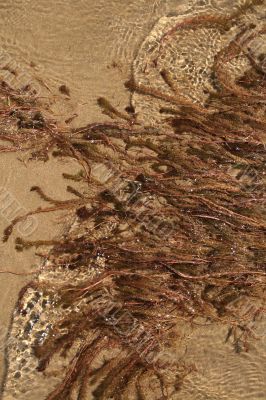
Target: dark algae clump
[[174, 233]]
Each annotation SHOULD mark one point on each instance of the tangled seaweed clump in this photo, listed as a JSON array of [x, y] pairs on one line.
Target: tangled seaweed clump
[[170, 229]]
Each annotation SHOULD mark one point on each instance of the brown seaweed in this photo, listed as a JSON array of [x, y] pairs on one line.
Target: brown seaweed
[[187, 237]]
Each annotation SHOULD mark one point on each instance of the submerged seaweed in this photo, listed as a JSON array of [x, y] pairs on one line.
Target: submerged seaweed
[[179, 225]]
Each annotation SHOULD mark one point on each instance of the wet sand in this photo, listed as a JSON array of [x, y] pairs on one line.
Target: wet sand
[[18, 178]]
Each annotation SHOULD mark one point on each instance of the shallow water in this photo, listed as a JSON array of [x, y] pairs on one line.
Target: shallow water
[[89, 46], [86, 45]]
